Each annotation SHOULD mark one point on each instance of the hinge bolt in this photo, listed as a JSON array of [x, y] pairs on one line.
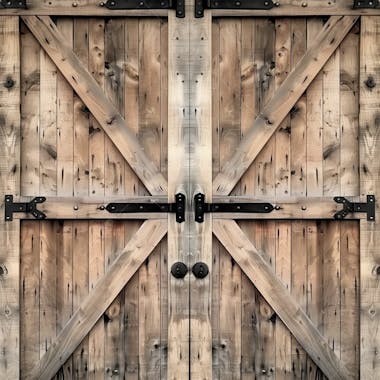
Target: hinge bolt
[[75, 5], [304, 5]]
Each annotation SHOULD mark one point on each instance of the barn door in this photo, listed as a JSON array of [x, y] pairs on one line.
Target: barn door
[[189, 197]]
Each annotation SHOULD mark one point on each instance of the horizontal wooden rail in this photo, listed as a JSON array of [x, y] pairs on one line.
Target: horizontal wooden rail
[[89, 208], [290, 208], [95, 8]]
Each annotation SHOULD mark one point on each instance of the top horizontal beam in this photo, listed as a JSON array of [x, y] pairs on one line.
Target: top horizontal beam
[[97, 8]]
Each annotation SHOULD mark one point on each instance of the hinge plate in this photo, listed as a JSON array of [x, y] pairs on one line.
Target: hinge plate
[[201, 5], [13, 4], [365, 4], [178, 5], [201, 207], [178, 207], [25, 207], [350, 207]]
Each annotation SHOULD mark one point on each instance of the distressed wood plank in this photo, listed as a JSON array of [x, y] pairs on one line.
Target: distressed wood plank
[[99, 105], [95, 304], [369, 184], [252, 263], [283, 100], [9, 184]]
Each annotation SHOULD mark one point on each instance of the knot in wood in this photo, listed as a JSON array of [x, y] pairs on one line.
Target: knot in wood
[[9, 83], [370, 82]]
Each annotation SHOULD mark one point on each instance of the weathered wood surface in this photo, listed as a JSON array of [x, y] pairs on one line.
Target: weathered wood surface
[[369, 184], [282, 101], [9, 184], [95, 8], [94, 305], [291, 313], [96, 101]]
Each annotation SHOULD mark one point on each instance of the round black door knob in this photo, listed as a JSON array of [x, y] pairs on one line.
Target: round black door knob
[[200, 270], [179, 270]]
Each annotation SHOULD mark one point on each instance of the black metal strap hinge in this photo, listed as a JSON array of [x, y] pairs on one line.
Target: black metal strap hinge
[[365, 4], [13, 4], [178, 207], [26, 207], [201, 5], [201, 207], [350, 207], [178, 5]]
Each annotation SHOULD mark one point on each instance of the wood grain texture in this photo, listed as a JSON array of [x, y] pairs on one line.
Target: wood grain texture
[[94, 305], [369, 184], [99, 105], [277, 295], [283, 100], [9, 184]]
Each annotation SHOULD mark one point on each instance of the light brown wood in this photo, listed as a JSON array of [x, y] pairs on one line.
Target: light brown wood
[[94, 8], [99, 105], [252, 263], [282, 101], [369, 184], [9, 184], [94, 305]]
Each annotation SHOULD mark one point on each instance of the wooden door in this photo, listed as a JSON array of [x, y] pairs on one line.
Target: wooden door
[[99, 106]]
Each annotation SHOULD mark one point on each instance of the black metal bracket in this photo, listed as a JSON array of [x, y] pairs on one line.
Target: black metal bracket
[[350, 207], [178, 5], [178, 207], [28, 207], [13, 4], [201, 207], [365, 4], [201, 5]]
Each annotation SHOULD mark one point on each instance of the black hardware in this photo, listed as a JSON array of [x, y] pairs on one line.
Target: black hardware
[[178, 207], [13, 4], [201, 207], [28, 207], [200, 270], [350, 207], [365, 4], [201, 5], [179, 270], [178, 5]]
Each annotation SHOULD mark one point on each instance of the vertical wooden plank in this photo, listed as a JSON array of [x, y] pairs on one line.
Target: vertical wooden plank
[[283, 67], [30, 296], [48, 251], [298, 115], [314, 119], [264, 53], [331, 125], [114, 88], [64, 280], [229, 119], [314, 248], [96, 133], [113, 317], [81, 116], [349, 295], [131, 108], [331, 285], [283, 271], [265, 355], [349, 113], [96, 271], [114, 184], [80, 289], [48, 125], [369, 184], [30, 120], [298, 290], [199, 157], [65, 122], [149, 136]]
